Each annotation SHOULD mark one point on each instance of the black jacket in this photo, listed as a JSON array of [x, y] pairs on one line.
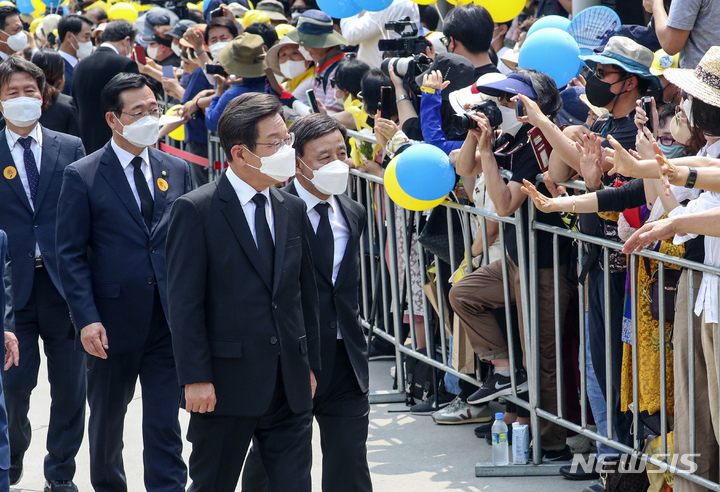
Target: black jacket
[[62, 116]]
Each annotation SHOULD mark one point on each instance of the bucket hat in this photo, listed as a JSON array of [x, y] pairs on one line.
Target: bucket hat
[[627, 54], [273, 54], [273, 9], [702, 82], [315, 30], [244, 56]]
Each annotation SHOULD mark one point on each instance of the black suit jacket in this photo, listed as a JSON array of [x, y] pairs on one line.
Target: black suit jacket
[[339, 303], [26, 227], [89, 78], [67, 90], [110, 263], [229, 327], [62, 116]]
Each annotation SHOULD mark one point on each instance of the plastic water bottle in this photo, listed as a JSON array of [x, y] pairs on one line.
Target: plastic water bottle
[[500, 441]]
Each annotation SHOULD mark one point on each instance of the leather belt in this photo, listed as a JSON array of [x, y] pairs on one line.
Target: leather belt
[[39, 262]]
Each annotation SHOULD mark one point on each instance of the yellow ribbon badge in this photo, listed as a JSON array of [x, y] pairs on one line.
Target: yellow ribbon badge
[[10, 172], [162, 184]]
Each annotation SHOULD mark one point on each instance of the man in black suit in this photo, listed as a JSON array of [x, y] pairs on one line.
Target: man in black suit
[[12, 36], [244, 307], [93, 72], [340, 405], [111, 227], [74, 33], [33, 160]]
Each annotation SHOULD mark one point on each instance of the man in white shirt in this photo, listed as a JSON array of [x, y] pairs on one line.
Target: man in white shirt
[[12, 36], [74, 33]]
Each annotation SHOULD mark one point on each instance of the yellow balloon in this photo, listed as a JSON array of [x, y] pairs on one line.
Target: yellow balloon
[[283, 29], [252, 16], [502, 10], [425, 2], [39, 7], [35, 23], [6, 3], [398, 195], [179, 132], [459, 2], [122, 10]]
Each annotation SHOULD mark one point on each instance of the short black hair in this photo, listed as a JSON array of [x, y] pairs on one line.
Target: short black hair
[[111, 95], [429, 16], [265, 31], [705, 117], [220, 22], [471, 25], [665, 110], [548, 96], [371, 83], [349, 74], [118, 30], [239, 121], [72, 23], [97, 14], [5, 12], [16, 64], [312, 126]]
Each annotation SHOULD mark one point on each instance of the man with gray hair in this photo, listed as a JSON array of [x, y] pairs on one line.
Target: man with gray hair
[[93, 72]]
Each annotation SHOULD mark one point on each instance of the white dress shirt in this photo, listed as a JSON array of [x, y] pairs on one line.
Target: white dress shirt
[[340, 230], [125, 158], [69, 58], [707, 299], [109, 45], [245, 194], [17, 151]]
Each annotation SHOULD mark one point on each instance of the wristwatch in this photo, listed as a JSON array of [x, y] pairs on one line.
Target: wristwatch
[[692, 177], [402, 98]]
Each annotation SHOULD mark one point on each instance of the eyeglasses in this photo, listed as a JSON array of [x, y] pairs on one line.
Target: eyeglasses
[[601, 72], [667, 140], [445, 41], [332, 82], [299, 10], [277, 144], [155, 113], [680, 114]]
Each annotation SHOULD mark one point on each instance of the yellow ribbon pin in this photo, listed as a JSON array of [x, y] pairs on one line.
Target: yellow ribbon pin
[[162, 184], [10, 172]]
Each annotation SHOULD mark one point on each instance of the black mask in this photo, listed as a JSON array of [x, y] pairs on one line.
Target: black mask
[[598, 92]]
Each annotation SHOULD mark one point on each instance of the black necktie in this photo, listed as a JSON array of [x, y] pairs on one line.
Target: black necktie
[[146, 200], [325, 239], [265, 244]]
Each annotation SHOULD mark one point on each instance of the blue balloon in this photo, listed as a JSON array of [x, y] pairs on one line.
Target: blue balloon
[[424, 172], [51, 3], [205, 5], [556, 21], [339, 9], [553, 52], [374, 5], [25, 6]]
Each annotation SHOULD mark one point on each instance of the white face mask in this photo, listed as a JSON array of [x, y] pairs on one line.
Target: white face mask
[[83, 50], [216, 48], [142, 133], [16, 42], [291, 68], [510, 122], [22, 111], [152, 52], [280, 166], [687, 107], [331, 179], [176, 49]]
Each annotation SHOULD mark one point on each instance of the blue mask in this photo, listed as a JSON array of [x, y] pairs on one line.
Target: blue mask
[[672, 151]]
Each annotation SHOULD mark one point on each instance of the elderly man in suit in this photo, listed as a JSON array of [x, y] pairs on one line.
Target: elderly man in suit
[[111, 227], [7, 323], [33, 160], [244, 307], [91, 74], [340, 405]]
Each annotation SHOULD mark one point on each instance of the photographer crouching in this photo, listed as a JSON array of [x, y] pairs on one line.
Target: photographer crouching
[[475, 296]]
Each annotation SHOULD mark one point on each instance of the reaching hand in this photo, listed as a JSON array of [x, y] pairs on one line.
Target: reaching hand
[[622, 162], [649, 233], [591, 161], [434, 80], [667, 170], [542, 203], [644, 142], [195, 38], [533, 113]]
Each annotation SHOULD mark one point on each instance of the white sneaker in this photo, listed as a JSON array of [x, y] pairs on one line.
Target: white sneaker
[[580, 444], [459, 412]]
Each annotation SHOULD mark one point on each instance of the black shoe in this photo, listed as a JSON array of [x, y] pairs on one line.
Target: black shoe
[[16, 468], [578, 474], [554, 456], [488, 436], [596, 487], [60, 486], [381, 349], [427, 407], [497, 385], [483, 430]]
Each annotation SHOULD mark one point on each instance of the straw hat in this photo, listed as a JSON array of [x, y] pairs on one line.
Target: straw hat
[[704, 81]]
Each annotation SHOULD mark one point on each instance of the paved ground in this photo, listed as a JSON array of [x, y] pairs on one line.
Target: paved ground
[[406, 452]]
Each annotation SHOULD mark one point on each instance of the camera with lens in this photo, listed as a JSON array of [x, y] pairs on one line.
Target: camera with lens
[[464, 122], [409, 42]]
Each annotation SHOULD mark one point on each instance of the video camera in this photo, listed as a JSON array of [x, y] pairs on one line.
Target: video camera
[[408, 44], [464, 122]]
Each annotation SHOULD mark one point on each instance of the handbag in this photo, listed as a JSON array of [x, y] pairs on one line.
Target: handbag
[[669, 291], [623, 477], [434, 236]]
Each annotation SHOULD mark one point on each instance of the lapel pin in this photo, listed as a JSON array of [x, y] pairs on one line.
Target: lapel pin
[[162, 184], [10, 172], [164, 173]]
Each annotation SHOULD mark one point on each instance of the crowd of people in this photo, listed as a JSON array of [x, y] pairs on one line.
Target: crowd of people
[[237, 298]]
